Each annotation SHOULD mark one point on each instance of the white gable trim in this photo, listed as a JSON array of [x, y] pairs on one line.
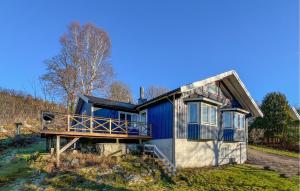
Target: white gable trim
[[255, 109]]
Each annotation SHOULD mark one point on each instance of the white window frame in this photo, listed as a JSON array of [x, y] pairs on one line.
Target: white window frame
[[140, 115], [208, 114], [188, 112]]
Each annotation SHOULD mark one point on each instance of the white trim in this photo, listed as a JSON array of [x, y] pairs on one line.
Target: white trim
[[203, 99], [236, 110]]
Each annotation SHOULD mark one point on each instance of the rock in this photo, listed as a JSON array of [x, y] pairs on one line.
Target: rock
[[135, 180], [75, 162]]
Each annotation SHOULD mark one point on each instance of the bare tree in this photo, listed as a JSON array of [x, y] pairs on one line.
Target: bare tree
[[82, 66], [154, 91], [119, 91]]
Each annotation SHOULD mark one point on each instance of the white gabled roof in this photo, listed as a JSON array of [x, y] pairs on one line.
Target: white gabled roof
[[235, 85]]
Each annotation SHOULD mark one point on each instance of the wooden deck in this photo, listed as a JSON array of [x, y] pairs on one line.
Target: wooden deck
[[66, 125], [93, 135]]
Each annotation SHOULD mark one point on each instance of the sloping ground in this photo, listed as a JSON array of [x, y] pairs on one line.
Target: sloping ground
[[283, 164], [28, 168]]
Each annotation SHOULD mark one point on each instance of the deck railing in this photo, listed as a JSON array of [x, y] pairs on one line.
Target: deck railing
[[89, 124]]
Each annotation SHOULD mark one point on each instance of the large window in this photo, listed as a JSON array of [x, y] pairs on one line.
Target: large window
[[208, 114], [193, 112]]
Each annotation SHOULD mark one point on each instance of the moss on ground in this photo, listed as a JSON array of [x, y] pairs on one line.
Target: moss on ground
[[29, 168]]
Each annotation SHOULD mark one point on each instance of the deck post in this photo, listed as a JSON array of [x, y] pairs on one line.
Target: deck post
[[109, 125], [68, 122], [91, 124], [57, 150]]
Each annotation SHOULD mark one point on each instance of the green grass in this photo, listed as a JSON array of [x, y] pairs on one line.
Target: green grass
[[237, 177], [275, 151], [19, 170]]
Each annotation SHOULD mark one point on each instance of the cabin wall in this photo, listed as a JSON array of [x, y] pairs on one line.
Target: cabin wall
[[160, 116], [208, 153], [85, 109]]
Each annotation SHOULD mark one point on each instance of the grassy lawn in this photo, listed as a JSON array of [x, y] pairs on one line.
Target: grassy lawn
[[275, 151], [29, 168]]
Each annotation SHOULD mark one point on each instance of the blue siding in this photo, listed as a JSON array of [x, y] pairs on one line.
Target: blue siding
[[160, 116], [85, 109], [228, 134], [194, 132], [106, 113]]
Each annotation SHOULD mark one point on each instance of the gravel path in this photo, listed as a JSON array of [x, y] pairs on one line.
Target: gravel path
[[282, 164]]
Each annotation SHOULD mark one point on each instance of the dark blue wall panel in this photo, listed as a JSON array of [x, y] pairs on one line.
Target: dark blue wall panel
[[85, 109], [160, 116], [194, 132], [106, 113]]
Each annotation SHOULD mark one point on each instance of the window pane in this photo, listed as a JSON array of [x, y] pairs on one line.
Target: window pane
[[143, 117], [128, 117], [134, 117], [227, 119], [242, 121], [204, 113], [213, 115], [122, 116], [193, 113], [236, 120]]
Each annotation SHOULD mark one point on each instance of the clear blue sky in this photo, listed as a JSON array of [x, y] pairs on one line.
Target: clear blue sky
[[169, 43]]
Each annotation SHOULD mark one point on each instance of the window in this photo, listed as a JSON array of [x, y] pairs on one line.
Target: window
[[204, 113], [213, 115], [123, 116], [192, 112], [208, 114], [236, 120], [143, 116], [233, 120], [227, 122], [240, 118]]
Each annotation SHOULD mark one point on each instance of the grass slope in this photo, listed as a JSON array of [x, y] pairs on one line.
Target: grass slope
[[275, 151], [29, 168]]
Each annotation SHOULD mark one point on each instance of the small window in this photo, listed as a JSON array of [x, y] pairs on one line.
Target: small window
[[193, 112]]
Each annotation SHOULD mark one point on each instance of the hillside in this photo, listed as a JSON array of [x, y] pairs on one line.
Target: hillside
[[17, 106]]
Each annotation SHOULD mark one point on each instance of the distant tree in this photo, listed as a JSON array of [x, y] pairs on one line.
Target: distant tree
[[276, 118], [154, 91], [82, 66], [119, 91]]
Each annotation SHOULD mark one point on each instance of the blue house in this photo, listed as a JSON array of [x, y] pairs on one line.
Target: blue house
[[199, 124]]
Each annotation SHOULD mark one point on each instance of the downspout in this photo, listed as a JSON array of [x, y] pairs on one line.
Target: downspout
[[174, 132]]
